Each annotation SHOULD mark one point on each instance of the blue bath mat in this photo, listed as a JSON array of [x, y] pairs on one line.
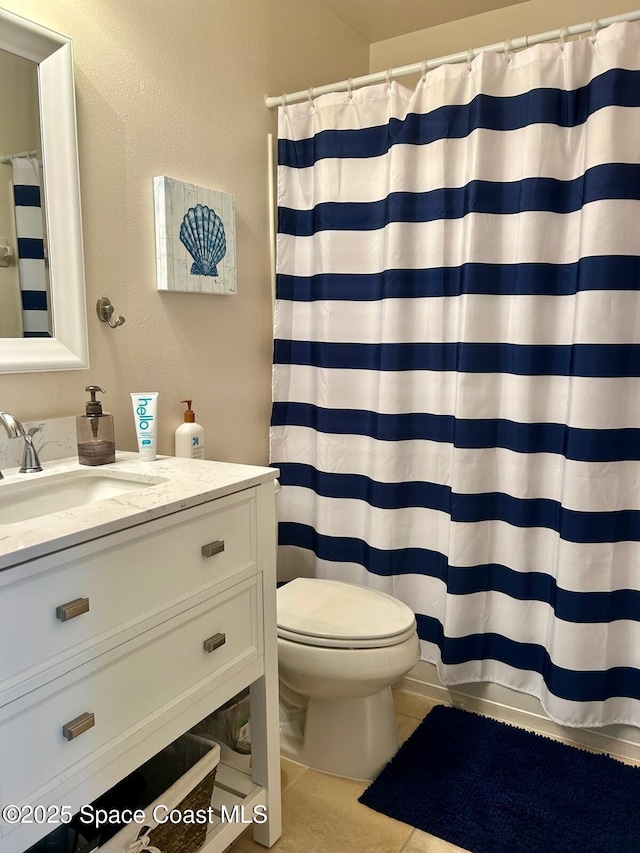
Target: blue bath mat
[[491, 788]]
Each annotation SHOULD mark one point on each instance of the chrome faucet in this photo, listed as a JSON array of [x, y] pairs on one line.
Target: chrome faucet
[[30, 461]]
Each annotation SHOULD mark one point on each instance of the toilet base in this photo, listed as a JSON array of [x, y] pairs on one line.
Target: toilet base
[[346, 737]]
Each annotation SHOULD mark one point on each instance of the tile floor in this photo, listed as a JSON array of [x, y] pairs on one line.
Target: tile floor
[[321, 813]]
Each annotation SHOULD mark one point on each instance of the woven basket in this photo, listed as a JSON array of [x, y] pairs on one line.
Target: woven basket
[[194, 791], [186, 837]]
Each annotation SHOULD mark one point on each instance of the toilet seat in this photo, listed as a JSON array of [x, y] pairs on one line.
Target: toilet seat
[[339, 615]]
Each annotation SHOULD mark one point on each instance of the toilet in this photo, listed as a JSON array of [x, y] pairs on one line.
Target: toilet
[[340, 648]]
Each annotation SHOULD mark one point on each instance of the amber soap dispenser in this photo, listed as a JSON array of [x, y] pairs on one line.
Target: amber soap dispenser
[[96, 436]]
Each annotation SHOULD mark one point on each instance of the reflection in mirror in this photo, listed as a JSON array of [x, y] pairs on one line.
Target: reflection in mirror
[[50, 244], [24, 274]]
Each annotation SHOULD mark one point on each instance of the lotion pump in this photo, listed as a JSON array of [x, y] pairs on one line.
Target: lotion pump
[[189, 436], [96, 438]]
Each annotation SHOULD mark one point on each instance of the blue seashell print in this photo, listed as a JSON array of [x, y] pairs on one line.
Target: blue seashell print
[[202, 232]]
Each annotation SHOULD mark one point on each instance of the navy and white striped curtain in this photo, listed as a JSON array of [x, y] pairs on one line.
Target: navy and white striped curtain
[[456, 408], [27, 196]]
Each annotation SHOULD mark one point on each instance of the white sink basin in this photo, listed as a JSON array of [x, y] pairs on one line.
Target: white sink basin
[[28, 498]]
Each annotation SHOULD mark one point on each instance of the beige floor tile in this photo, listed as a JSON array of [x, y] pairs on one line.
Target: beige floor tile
[[412, 704], [321, 814], [422, 842], [406, 726], [237, 845], [289, 772]]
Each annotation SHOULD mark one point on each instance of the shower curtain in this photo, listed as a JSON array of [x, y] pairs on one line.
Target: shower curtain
[[27, 197], [456, 412]]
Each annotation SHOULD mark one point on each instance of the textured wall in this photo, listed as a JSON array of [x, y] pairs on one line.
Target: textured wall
[[177, 88], [535, 16]]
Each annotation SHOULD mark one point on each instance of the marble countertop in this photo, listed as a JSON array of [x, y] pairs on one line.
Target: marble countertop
[[183, 483]]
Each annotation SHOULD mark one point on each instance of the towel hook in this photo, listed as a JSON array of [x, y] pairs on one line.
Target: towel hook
[[105, 309]]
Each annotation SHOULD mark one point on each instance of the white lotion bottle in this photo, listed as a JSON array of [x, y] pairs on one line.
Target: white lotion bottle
[[189, 436]]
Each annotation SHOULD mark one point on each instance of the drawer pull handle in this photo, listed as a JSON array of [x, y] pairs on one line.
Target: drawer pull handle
[[78, 726], [214, 642], [72, 609], [213, 548]]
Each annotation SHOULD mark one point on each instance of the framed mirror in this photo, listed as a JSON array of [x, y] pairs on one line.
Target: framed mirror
[[39, 184]]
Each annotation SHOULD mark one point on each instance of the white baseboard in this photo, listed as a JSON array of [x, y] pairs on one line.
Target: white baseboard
[[501, 703]]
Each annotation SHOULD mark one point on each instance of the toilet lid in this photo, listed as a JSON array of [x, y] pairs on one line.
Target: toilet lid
[[337, 614]]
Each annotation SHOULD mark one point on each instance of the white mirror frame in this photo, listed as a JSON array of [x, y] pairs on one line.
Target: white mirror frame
[[68, 349]]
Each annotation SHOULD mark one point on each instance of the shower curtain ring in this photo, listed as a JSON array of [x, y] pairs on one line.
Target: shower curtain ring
[[594, 31], [350, 88], [563, 33], [423, 66], [310, 95], [469, 58], [508, 53], [284, 105], [388, 76]]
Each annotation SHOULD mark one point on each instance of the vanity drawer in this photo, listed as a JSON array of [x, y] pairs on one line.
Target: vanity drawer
[[73, 600], [126, 689]]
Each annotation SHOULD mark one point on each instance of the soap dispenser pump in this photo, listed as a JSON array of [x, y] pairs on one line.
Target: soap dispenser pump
[[96, 437]]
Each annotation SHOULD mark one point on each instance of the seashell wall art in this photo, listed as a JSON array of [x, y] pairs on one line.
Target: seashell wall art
[[195, 238]]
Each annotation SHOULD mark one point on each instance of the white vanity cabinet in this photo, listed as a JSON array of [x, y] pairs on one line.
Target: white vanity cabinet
[[113, 647]]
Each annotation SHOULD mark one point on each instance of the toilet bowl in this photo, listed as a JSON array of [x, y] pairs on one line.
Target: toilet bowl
[[340, 648]]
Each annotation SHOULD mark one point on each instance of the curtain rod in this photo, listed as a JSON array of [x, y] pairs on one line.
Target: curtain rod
[[462, 56], [9, 158]]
